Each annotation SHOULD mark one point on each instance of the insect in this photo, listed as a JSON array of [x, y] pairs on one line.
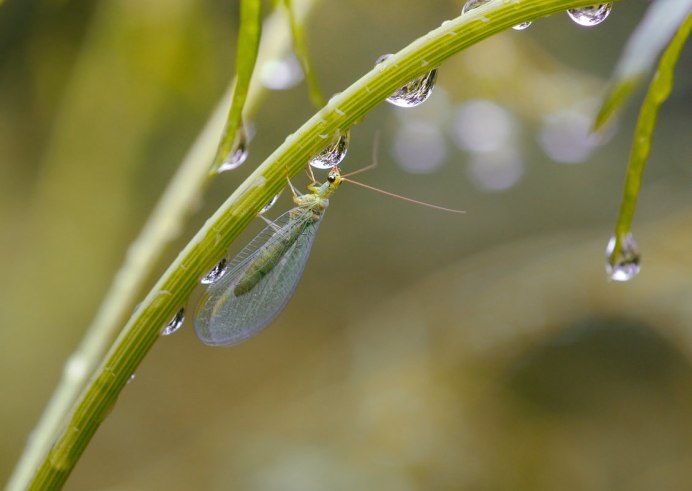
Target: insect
[[261, 279]]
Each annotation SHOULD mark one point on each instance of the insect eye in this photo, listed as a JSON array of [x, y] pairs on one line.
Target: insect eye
[[331, 178]]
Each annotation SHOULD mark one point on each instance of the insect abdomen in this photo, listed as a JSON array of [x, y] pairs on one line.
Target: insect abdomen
[[269, 258]]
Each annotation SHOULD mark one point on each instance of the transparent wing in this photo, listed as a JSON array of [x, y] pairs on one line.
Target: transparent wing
[[224, 319]]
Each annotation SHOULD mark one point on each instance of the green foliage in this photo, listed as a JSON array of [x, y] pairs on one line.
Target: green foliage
[[303, 53], [655, 31], [249, 35], [658, 92]]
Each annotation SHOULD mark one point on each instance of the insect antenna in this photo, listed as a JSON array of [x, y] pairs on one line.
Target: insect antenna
[[375, 148], [410, 200]]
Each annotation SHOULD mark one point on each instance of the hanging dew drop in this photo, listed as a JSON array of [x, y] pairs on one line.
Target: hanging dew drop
[[590, 16], [175, 324], [472, 4], [269, 205], [132, 377], [333, 153], [522, 26], [413, 93], [235, 159], [622, 265], [215, 274]]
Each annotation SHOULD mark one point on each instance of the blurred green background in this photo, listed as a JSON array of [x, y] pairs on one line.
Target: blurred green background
[[422, 350]]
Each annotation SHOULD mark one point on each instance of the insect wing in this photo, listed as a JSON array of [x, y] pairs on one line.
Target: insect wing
[[224, 319]]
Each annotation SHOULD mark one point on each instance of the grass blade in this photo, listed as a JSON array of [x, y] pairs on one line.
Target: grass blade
[[249, 33], [654, 32], [303, 54], [658, 92]]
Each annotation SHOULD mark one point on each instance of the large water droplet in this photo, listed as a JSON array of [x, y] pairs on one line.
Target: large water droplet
[[590, 16], [269, 205], [413, 93], [236, 158], [215, 273], [333, 153], [622, 265], [472, 4], [175, 323]]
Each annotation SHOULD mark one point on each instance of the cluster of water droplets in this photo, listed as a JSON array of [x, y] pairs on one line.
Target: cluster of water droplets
[[333, 153], [413, 93], [472, 4], [584, 16], [175, 323], [623, 264], [590, 16]]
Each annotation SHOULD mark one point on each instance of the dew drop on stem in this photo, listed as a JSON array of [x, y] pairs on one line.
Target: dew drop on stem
[[413, 93], [236, 158], [590, 16], [472, 4], [522, 26], [269, 205], [622, 265], [175, 324], [215, 273], [333, 153]]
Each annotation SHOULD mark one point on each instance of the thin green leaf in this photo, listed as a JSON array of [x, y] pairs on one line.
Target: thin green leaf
[[249, 33], [303, 54], [654, 32], [659, 89]]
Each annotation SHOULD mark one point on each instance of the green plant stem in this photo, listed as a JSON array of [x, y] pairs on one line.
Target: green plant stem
[[659, 90], [303, 53], [168, 217], [655, 31], [174, 287], [249, 33]]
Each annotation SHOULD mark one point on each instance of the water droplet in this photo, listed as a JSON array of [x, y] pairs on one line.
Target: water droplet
[[215, 274], [590, 16], [413, 93], [332, 154], [269, 205], [236, 158], [622, 265], [175, 324], [132, 377], [472, 4], [522, 26]]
